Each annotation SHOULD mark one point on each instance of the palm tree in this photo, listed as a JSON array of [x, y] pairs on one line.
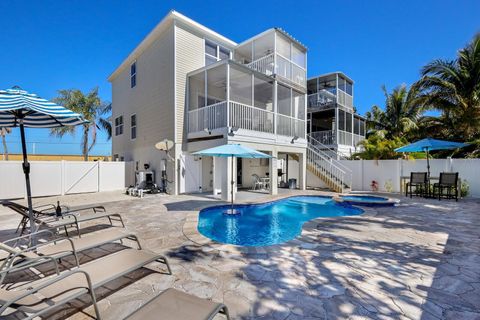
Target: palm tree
[[402, 111], [3, 134], [92, 108], [453, 87]]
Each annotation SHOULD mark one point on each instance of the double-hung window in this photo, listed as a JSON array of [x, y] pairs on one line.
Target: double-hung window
[[214, 52], [133, 74], [133, 126], [119, 125]]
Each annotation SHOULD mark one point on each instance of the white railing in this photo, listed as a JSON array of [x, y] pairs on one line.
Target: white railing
[[344, 99], [265, 65], [326, 137], [208, 118], [299, 75], [333, 172], [357, 138], [291, 127], [251, 118], [321, 99]]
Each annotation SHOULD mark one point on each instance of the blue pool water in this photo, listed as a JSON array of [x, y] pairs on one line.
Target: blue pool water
[[364, 198], [269, 223]]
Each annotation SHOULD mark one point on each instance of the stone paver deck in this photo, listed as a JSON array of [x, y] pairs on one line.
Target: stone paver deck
[[420, 260]]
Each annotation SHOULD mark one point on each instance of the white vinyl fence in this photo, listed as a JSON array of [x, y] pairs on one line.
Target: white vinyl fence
[[388, 172], [51, 178]]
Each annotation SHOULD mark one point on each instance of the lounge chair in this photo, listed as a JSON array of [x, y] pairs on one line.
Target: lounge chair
[[44, 295], [66, 220], [172, 304], [419, 180], [448, 182], [56, 249], [49, 210]]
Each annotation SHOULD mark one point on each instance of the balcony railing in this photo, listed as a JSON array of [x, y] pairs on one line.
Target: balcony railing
[[328, 137], [250, 118], [243, 116], [321, 100], [292, 127], [344, 99], [210, 117], [281, 66], [265, 65]]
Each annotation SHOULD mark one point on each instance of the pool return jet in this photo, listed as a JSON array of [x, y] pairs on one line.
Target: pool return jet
[[233, 151]]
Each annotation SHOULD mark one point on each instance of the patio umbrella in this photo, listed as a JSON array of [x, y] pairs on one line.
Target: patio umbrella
[[233, 151], [23, 109], [429, 144]]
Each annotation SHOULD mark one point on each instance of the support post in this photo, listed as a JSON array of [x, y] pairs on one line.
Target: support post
[[302, 168]]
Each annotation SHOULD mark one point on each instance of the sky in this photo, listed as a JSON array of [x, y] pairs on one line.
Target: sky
[[53, 45]]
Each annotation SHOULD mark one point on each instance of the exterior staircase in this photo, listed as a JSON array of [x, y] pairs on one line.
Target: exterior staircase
[[331, 171]]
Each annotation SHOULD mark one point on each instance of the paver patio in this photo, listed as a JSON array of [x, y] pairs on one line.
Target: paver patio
[[420, 260]]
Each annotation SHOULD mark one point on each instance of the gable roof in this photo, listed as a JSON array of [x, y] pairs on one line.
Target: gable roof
[[158, 30]]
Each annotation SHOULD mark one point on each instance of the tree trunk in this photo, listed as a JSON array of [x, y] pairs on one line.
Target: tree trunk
[[85, 143], [5, 148]]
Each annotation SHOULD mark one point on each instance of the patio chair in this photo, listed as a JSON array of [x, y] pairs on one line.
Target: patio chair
[[172, 304], [55, 249], [448, 182], [44, 295], [66, 220], [257, 182], [418, 180]]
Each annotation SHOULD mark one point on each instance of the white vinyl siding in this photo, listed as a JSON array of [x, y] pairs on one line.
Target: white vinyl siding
[[190, 55], [152, 102]]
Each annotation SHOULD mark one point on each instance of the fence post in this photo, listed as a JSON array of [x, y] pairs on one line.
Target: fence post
[[62, 177], [98, 175]]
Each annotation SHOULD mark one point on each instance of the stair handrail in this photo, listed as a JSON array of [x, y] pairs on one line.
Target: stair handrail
[[329, 170], [315, 143], [335, 165]]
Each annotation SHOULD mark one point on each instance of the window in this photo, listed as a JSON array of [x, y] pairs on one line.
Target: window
[[214, 52], [133, 126], [133, 75], [240, 86], [119, 125]]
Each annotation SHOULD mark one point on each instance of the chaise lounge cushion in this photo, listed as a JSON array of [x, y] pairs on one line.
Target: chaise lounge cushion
[[177, 305]]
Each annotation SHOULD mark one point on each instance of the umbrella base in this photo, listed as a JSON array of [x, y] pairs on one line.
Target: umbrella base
[[232, 212]]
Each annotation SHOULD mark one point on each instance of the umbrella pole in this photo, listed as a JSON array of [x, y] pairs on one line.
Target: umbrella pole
[[26, 171], [232, 183], [428, 165]]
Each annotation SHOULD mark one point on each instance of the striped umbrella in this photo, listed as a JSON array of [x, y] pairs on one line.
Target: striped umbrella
[[18, 108]]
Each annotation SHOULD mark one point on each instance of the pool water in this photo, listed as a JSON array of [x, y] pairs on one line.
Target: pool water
[[270, 223], [364, 198]]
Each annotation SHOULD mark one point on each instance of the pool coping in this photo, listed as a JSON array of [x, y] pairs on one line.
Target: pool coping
[[191, 232]]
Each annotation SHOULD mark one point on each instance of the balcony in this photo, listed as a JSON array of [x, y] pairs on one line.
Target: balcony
[[321, 100], [273, 53], [237, 115], [329, 138]]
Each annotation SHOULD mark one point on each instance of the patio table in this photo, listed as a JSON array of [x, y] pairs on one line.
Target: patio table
[[265, 181]]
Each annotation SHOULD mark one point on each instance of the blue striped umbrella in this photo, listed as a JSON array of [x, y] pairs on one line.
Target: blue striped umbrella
[[18, 108]]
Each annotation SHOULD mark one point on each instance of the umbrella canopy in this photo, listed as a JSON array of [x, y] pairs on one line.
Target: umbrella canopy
[[23, 109], [234, 151], [429, 144]]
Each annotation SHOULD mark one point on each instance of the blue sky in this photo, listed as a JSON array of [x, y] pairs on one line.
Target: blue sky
[[52, 45]]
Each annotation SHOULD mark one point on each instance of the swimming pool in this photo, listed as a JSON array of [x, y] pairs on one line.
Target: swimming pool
[[269, 223]]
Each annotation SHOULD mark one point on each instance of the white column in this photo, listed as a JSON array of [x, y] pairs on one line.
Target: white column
[[302, 168], [273, 173]]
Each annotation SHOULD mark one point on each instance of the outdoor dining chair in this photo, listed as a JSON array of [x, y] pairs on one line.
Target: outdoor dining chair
[[447, 186], [419, 181]]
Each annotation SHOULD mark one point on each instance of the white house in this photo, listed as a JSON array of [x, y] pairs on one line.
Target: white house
[[193, 86]]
